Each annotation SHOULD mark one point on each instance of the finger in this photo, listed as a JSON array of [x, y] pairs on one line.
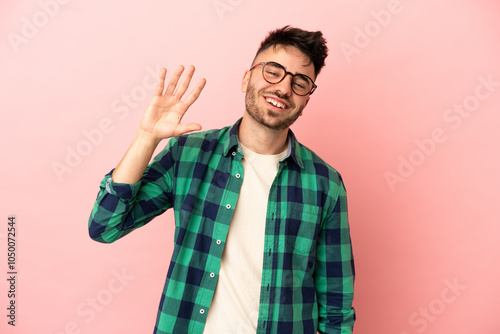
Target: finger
[[185, 82], [196, 92], [173, 81], [160, 83]]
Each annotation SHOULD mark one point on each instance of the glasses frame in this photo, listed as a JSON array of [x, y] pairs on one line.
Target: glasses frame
[[263, 64]]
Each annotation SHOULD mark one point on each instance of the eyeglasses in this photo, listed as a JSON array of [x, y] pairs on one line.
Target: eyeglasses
[[274, 73]]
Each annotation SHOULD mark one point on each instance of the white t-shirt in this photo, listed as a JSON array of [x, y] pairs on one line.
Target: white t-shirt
[[235, 306]]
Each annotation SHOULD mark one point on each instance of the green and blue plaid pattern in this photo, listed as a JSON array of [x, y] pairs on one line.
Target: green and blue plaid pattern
[[308, 270]]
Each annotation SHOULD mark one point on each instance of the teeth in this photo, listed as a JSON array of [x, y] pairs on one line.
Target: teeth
[[276, 104]]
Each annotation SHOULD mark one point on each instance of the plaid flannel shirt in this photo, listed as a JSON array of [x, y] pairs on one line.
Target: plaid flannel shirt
[[308, 269]]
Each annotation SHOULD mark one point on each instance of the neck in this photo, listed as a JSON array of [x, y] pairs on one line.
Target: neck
[[261, 139]]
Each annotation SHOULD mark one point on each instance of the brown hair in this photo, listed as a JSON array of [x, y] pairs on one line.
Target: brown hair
[[310, 43]]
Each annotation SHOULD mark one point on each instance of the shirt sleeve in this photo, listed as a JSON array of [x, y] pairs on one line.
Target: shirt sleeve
[[334, 274], [121, 208]]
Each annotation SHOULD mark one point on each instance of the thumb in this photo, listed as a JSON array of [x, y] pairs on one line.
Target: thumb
[[185, 128]]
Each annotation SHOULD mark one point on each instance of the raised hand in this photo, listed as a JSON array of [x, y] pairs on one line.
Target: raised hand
[[162, 118]]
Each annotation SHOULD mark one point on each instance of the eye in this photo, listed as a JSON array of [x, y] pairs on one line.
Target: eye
[[271, 72], [301, 82], [299, 85]]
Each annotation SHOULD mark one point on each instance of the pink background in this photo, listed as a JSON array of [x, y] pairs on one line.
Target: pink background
[[384, 110]]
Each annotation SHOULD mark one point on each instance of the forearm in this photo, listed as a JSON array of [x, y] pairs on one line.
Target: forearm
[[134, 163], [123, 207]]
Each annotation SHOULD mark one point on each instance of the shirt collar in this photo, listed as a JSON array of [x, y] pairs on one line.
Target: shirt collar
[[293, 150]]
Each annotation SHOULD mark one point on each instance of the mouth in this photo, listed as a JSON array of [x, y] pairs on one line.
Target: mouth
[[276, 103]]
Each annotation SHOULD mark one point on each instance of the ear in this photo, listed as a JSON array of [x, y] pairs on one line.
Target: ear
[[244, 82]]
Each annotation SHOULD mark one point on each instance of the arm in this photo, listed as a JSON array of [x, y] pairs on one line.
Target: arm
[[334, 275], [134, 193], [160, 121]]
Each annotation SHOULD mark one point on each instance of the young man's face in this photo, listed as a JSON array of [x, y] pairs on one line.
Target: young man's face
[[276, 106]]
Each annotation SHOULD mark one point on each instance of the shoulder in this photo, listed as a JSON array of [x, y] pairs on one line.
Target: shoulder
[[203, 140], [314, 164], [201, 136], [320, 179]]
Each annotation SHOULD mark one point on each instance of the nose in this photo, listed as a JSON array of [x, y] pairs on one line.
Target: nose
[[285, 85]]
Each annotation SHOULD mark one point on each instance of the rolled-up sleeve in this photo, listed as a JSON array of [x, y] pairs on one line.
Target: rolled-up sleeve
[[121, 208]]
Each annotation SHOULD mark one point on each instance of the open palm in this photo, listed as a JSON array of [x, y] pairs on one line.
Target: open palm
[[164, 113]]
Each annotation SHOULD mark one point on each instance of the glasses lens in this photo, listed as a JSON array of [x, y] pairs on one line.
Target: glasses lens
[[301, 85], [273, 72]]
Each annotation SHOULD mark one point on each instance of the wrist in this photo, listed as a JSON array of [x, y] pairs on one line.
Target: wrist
[[146, 139]]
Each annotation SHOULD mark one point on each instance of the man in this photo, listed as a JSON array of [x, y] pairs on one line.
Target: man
[[262, 240]]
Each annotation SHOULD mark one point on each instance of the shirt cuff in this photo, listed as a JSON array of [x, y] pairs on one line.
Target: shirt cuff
[[121, 190]]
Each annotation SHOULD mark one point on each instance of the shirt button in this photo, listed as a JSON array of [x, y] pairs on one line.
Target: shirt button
[[238, 176], [228, 206], [108, 188], [239, 149], [212, 275], [285, 163], [233, 154], [202, 311], [218, 242]]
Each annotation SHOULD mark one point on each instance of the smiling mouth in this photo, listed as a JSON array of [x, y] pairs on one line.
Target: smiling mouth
[[275, 103]]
